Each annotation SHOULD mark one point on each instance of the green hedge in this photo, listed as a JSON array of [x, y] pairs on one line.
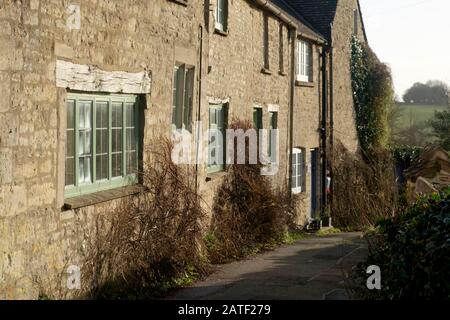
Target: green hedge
[[413, 252]]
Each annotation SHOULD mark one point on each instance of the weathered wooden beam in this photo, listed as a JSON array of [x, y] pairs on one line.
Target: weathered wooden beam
[[92, 79]]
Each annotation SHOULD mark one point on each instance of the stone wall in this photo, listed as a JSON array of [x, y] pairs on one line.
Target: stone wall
[[37, 238], [236, 60], [307, 123], [344, 113]]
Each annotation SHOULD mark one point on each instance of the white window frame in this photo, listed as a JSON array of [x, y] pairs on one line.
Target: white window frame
[[304, 61], [221, 6], [297, 153]]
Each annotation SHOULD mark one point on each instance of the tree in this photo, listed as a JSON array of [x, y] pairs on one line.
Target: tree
[[441, 128], [433, 92]]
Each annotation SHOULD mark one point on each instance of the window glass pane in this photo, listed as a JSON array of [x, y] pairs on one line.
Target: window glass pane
[[70, 114], [130, 110], [179, 82], [85, 142], [102, 167], [102, 141], [212, 116], [116, 132], [131, 158], [85, 169], [102, 115], [116, 165], [188, 98], [117, 113], [175, 95], [70, 178]]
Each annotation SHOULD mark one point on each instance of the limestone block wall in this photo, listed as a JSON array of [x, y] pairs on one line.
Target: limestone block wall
[[307, 121], [344, 114], [37, 237], [236, 60]]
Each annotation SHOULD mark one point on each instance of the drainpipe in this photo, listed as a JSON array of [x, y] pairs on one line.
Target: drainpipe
[[331, 155], [324, 130], [200, 80], [293, 32]]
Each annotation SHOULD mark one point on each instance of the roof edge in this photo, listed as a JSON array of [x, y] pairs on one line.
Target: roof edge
[[289, 19]]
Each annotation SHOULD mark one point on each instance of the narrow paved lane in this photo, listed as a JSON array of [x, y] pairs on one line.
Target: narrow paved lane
[[309, 269]]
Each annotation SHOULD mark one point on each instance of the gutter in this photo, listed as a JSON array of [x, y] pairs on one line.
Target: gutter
[[293, 36], [200, 81], [324, 130], [287, 18]]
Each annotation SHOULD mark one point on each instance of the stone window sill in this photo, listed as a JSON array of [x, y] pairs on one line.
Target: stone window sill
[[266, 71], [102, 196], [221, 32], [182, 2], [282, 73], [304, 84], [215, 176], [300, 196]]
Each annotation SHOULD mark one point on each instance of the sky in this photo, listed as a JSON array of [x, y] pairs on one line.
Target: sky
[[412, 37]]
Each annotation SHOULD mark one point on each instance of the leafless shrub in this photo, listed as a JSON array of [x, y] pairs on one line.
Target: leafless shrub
[[152, 240], [364, 188], [247, 212]]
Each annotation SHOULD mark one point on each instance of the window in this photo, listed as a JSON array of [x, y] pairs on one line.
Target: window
[[183, 96], [217, 139], [281, 49], [304, 62], [257, 120], [297, 170], [102, 139], [273, 125], [355, 21], [222, 15], [266, 41]]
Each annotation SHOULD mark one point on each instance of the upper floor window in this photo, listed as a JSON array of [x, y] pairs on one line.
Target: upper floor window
[[183, 96], [222, 15], [304, 61], [281, 48], [355, 21], [266, 49], [102, 141]]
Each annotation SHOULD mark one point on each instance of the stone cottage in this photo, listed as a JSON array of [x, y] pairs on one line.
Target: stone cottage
[[87, 85]]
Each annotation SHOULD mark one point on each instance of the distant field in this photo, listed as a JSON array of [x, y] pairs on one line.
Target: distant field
[[416, 113]]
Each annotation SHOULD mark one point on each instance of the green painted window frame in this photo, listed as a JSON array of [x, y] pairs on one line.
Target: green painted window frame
[[258, 124], [221, 15], [273, 125], [220, 112], [182, 96], [126, 179]]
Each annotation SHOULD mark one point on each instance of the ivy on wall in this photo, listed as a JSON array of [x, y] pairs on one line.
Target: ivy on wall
[[373, 96]]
